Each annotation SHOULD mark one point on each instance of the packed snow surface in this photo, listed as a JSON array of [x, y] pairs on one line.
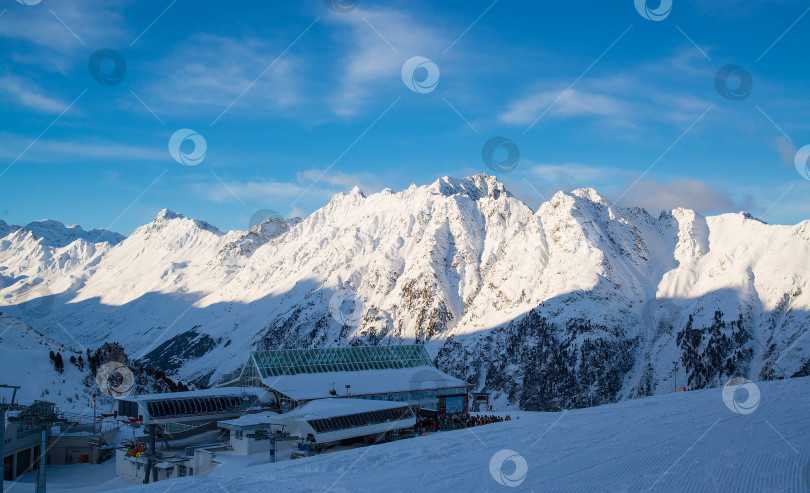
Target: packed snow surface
[[688, 441]]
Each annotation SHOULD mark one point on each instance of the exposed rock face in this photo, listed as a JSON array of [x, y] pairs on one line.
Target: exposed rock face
[[575, 303]]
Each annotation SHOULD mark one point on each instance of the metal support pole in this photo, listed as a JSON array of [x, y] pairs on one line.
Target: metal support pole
[[150, 460], [43, 447], [272, 449], [2, 444]]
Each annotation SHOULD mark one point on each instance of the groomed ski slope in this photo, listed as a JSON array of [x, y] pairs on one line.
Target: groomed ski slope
[[688, 441]]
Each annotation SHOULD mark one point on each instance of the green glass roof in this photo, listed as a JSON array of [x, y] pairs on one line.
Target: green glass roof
[[298, 361]]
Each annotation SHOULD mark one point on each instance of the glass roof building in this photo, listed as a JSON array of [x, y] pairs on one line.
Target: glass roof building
[[298, 361], [392, 373]]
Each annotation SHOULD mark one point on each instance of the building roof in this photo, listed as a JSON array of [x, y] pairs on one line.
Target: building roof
[[326, 360], [318, 385], [217, 391], [316, 409]]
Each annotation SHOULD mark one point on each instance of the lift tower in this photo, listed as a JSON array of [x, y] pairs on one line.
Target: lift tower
[[43, 415], [6, 405]]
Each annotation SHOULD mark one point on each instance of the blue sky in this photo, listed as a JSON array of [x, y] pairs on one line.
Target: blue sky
[[296, 102]]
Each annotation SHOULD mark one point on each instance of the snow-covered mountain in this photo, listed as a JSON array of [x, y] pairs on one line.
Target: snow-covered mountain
[[575, 303]]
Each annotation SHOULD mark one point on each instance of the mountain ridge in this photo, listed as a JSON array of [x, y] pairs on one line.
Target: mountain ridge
[[490, 286]]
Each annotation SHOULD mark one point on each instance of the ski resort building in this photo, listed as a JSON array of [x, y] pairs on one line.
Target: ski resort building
[[401, 373], [317, 397], [322, 421]]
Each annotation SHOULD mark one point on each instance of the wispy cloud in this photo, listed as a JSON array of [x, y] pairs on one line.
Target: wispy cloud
[[29, 94], [54, 151], [655, 196], [626, 98], [569, 103], [379, 42], [208, 71], [286, 192], [52, 46]]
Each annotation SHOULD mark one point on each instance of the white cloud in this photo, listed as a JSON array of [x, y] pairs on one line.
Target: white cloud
[[645, 92], [53, 151], [656, 196], [30, 95], [208, 71], [380, 41], [94, 23], [786, 150], [568, 103], [311, 188]]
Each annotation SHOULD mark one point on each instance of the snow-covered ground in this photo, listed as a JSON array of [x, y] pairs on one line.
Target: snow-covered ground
[[689, 441]]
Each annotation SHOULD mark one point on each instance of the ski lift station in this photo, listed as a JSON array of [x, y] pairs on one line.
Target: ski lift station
[[318, 397]]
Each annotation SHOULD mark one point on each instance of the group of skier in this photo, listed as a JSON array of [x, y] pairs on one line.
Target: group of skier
[[456, 422]]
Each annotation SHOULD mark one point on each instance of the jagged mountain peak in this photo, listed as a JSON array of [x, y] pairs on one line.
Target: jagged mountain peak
[[167, 218], [6, 228], [490, 286], [56, 234], [591, 195], [475, 187], [168, 215]]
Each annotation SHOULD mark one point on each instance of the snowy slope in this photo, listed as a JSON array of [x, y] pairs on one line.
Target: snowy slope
[[24, 361], [689, 441], [579, 301]]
